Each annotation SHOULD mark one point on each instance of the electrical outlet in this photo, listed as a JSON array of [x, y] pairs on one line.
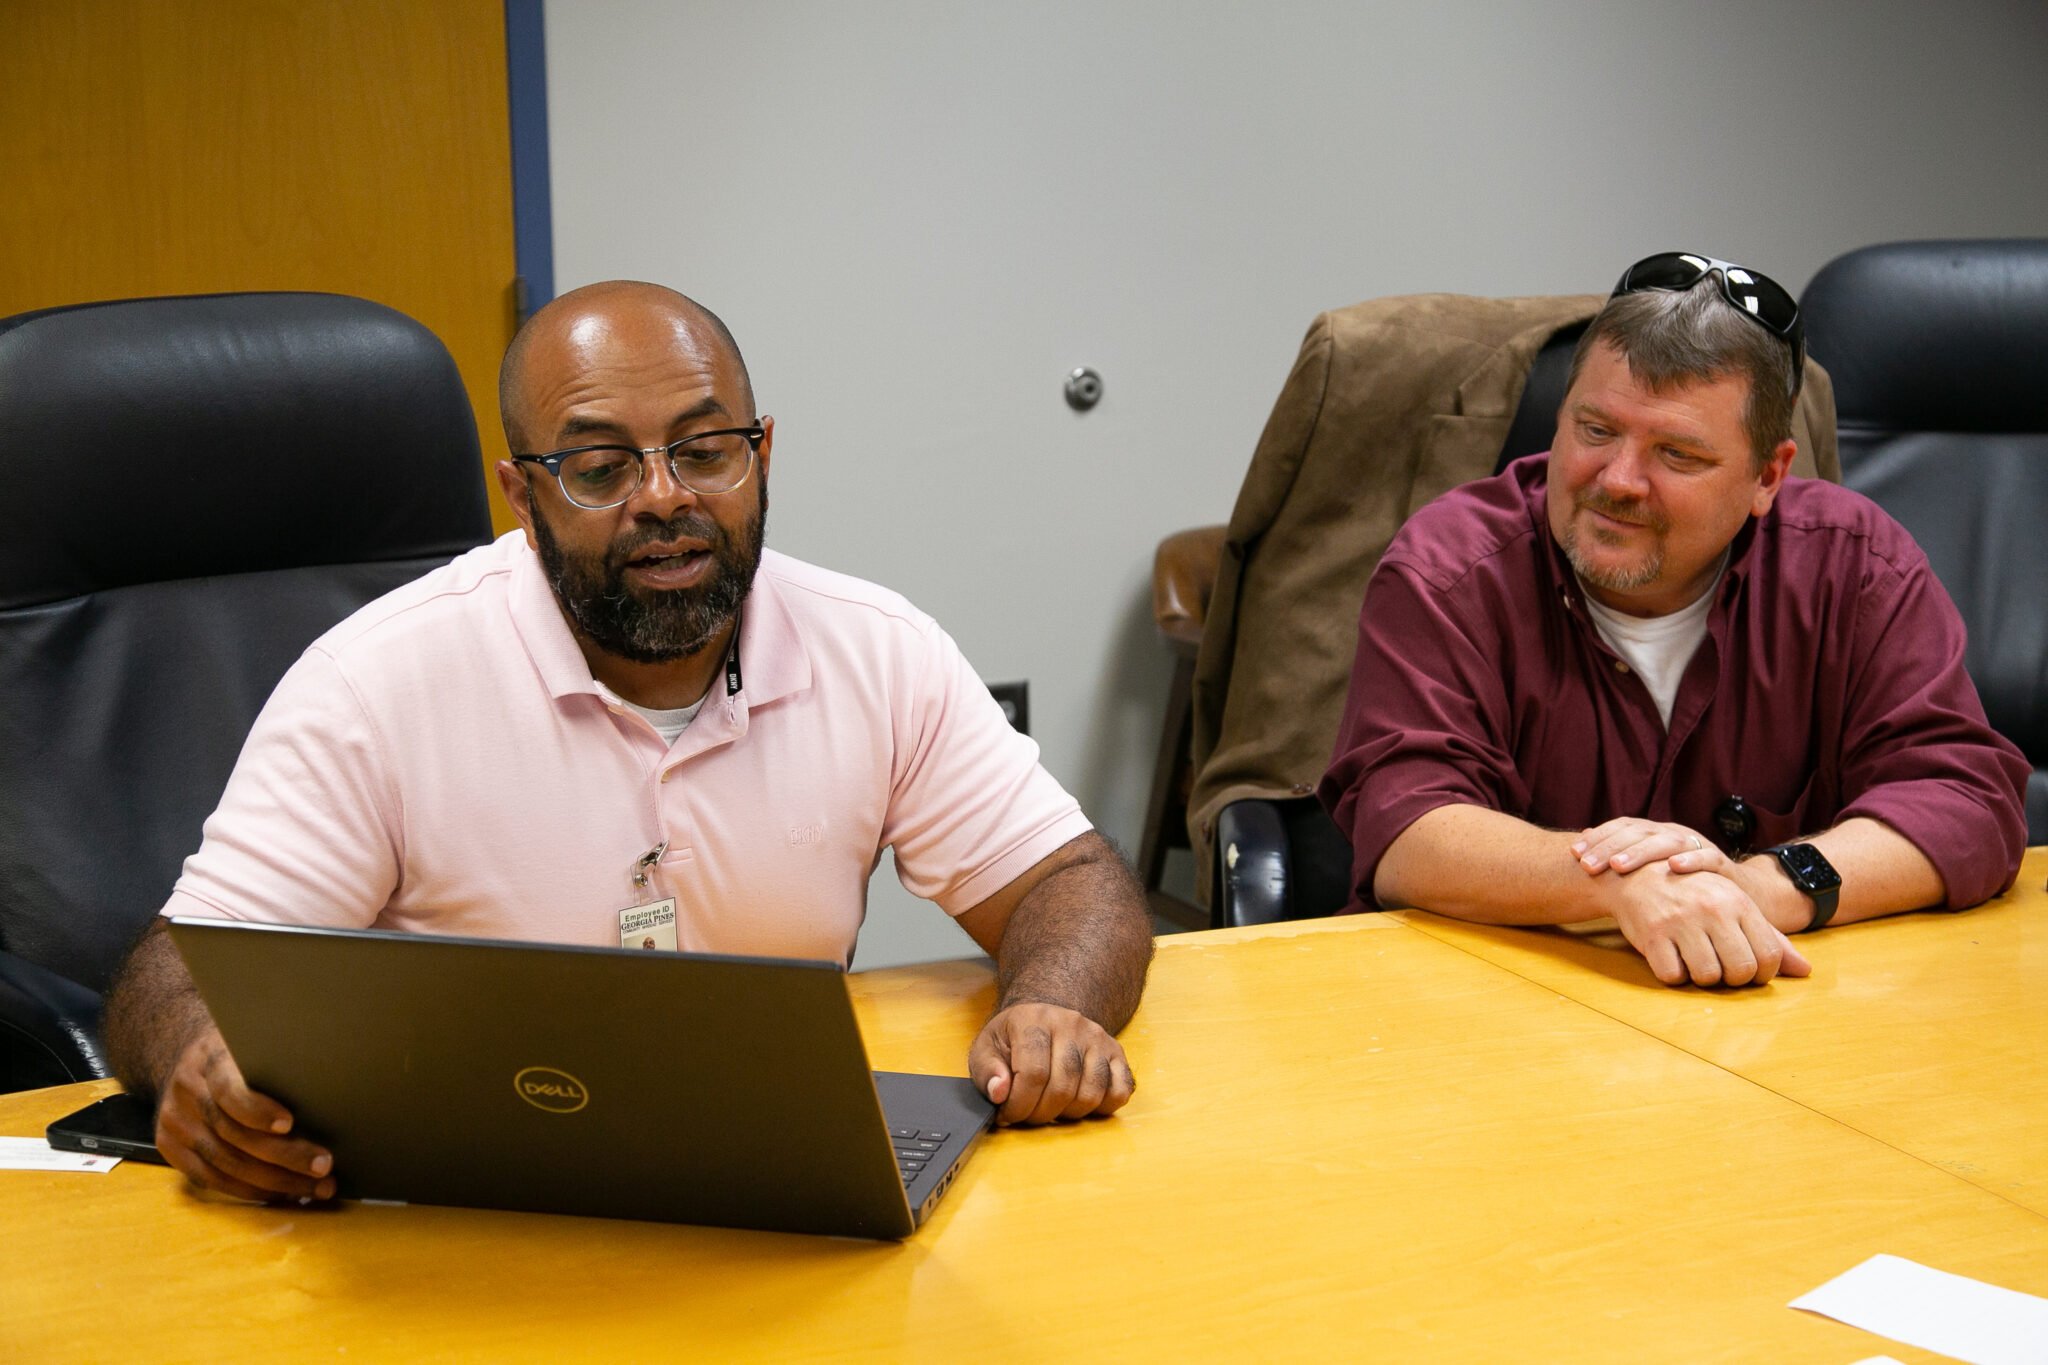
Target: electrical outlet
[[1015, 699]]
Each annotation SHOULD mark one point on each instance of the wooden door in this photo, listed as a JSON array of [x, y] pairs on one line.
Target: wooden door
[[194, 146]]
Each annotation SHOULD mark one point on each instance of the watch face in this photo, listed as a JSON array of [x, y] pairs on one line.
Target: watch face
[[1810, 871]]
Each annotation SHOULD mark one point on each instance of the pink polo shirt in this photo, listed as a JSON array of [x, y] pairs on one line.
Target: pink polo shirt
[[442, 762]]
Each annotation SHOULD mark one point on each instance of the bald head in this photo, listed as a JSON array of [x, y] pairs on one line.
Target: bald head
[[596, 323]]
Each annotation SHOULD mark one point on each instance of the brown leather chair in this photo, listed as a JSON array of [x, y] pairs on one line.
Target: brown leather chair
[[1183, 575], [1390, 403]]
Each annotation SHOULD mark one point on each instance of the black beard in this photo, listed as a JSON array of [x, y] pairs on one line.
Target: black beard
[[657, 627]]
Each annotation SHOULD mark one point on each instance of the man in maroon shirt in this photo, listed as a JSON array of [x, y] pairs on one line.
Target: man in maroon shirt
[[1597, 683]]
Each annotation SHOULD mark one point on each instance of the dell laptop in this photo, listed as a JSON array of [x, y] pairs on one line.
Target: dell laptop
[[612, 1082]]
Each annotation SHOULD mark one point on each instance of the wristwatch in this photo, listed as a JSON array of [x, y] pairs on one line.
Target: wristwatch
[[1813, 874]]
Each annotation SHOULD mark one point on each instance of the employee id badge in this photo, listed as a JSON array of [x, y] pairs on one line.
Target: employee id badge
[[649, 926]]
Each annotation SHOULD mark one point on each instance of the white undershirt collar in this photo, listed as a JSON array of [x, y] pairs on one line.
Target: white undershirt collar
[[1658, 648]]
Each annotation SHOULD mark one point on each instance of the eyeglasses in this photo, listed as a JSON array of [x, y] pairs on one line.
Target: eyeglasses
[[597, 477], [1757, 297]]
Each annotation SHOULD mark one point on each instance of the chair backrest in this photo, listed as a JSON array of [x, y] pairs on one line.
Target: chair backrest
[[1535, 422], [1938, 352], [191, 491]]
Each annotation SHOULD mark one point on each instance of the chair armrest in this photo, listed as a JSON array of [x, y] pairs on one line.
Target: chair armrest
[[1183, 576], [1252, 865], [1278, 860], [49, 1027]]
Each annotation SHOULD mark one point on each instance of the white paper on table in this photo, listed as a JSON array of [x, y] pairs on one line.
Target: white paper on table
[[1937, 1311], [34, 1154]]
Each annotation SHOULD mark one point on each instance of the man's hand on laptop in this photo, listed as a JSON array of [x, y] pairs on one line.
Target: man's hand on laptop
[[226, 1137], [1043, 1062]]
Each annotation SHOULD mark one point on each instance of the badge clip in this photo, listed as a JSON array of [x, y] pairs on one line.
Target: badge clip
[[644, 864]]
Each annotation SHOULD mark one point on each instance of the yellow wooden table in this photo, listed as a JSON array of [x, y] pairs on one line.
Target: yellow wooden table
[[1351, 1140], [1928, 1032]]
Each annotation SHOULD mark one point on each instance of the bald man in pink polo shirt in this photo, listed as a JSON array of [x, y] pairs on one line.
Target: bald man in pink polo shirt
[[629, 724]]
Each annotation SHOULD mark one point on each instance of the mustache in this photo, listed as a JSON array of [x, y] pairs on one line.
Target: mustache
[[1621, 509], [690, 525]]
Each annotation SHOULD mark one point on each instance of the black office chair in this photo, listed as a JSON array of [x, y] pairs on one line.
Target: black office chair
[[191, 491], [1937, 349]]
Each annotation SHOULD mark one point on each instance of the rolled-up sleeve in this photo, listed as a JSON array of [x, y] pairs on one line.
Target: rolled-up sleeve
[[1426, 721], [1917, 751]]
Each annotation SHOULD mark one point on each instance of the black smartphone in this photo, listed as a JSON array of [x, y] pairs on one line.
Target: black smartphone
[[119, 1125]]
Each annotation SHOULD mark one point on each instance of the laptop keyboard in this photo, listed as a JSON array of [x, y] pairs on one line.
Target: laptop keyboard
[[914, 1148]]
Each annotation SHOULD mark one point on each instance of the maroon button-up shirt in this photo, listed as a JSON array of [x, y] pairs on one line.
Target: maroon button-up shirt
[[1830, 685]]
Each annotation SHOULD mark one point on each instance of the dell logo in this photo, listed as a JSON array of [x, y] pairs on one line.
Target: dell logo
[[544, 1087]]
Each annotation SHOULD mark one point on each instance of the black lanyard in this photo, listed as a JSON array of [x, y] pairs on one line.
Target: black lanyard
[[732, 661]]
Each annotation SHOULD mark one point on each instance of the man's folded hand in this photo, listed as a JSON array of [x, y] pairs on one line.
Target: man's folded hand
[[1703, 928]]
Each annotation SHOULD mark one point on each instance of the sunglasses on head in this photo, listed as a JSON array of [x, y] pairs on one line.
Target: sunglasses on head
[[1757, 297]]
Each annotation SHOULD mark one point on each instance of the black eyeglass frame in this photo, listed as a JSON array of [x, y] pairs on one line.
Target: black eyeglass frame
[[1789, 328], [553, 460]]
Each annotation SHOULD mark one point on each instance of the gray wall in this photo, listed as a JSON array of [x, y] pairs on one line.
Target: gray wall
[[918, 217]]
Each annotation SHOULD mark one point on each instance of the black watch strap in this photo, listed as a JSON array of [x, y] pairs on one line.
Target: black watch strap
[[1810, 871]]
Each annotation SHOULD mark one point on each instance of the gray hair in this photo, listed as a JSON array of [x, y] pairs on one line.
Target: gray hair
[[1673, 338]]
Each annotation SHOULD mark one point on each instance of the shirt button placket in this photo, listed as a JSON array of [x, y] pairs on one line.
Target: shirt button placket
[[670, 803]]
